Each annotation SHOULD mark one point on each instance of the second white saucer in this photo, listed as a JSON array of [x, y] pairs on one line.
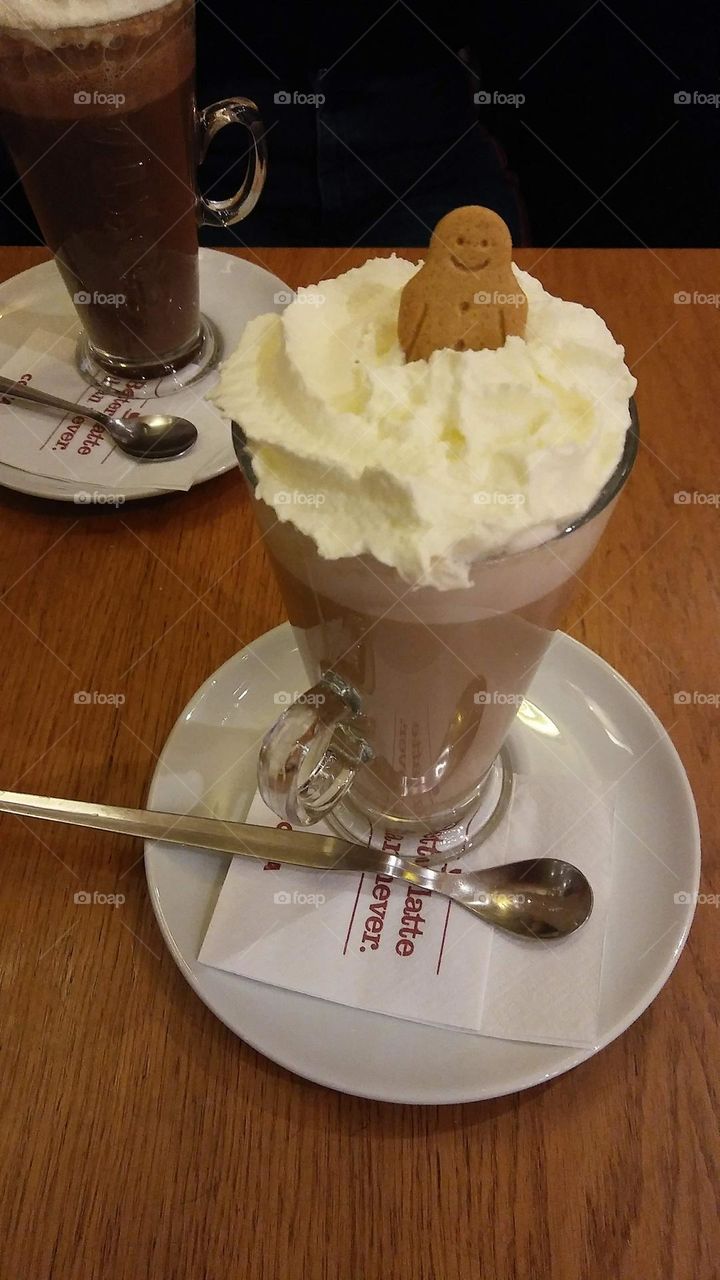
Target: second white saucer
[[232, 291]]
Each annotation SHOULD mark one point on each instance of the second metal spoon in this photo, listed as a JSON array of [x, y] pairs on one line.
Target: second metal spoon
[[155, 437]]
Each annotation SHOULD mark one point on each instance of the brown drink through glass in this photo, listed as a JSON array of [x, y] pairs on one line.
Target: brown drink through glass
[[429, 680], [100, 121]]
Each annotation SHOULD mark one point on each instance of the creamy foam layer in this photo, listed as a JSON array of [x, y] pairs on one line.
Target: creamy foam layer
[[49, 15], [427, 466], [76, 72]]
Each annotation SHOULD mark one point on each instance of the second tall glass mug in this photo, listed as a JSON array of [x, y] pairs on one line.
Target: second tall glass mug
[[413, 692], [102, 127]]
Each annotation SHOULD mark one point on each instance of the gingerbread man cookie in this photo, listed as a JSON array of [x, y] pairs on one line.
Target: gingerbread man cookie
[[465, 296]]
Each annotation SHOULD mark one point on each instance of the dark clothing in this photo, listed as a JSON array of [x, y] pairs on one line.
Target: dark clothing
[[378, 162], [380, 136]]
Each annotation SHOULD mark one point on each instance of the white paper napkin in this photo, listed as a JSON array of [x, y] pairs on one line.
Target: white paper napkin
[[79, 454], [381, 945]]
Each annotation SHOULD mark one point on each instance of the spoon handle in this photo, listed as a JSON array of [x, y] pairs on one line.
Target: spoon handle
[[32, 395], [216, 835]]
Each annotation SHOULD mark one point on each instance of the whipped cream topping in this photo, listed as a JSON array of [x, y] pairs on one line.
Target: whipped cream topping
[[50, 15], [428, 465]]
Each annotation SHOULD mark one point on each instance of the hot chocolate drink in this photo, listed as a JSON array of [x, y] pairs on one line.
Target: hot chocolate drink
[[427, 519], [438, 677], [99, 120]]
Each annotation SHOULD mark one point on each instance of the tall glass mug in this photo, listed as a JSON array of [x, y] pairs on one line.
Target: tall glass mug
[[413, 692], [101, 124]]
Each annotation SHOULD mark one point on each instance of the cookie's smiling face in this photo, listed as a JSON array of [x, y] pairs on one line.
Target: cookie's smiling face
[[472, 240]]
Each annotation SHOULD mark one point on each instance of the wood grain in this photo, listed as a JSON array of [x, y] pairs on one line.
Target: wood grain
[[140, 1137]]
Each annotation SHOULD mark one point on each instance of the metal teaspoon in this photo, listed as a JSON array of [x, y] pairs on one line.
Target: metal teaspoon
[[542, 898], [155, 437]]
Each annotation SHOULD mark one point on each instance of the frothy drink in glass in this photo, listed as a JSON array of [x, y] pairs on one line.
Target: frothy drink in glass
[[435, 678], [427, 520], [100, 120]]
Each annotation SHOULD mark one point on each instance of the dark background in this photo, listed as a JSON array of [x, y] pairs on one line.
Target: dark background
[[598, 154]]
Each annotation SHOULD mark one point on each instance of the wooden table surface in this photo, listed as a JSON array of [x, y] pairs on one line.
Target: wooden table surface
[[140, 1137]]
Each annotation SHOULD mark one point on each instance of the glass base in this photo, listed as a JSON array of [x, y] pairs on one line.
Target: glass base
[[433, 845], [142, 383]]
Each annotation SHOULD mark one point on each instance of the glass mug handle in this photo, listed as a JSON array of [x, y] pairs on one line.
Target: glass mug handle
[[223, 213], [310, 756]]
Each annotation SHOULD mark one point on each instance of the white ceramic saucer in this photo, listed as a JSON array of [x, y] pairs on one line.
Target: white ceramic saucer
[[584, 718], [232, 292]]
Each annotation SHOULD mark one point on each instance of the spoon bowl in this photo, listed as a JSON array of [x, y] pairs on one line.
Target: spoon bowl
[[542, 898], [154, 437]]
